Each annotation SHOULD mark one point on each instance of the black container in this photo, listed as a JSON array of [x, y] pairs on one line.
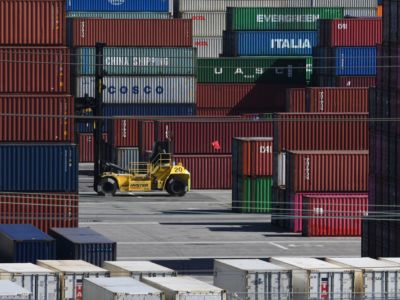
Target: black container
[[24, 243], [83, 244]]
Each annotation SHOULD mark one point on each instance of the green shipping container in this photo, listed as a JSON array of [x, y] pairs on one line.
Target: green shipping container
[[254, 195], [296, 18], [139, 61], [119, 15], [292, 70]]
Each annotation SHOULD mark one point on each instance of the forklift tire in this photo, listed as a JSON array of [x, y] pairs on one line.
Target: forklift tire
[[109, 186], [176, 187]]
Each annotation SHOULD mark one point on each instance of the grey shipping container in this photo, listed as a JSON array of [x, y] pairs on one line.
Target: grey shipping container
[[360, 12], [208, 47], [141, 90], [125, 156], [252, 279], [41, 282], [72, 273], [137, 269], [138, 61], [22, 243], [83, 244], [206, 24], [221, 5], [119, 15], [121, 288], [12, 291], [38, 168], [345, 3]]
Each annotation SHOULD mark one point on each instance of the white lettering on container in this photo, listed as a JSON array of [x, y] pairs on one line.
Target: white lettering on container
[[341, 26], [287, 18], [265, 149], [290, 44], [307, 168], [321, 101]]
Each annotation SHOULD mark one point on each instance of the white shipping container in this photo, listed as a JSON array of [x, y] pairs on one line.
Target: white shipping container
[[360, 12], [141, 90], [221, 5], [374, 279], [137, 269], [207, 24], [317, 279], [208, 47], [72, 273], [125, 156], [41, 282], [11, 291], [121, 288], [281, 169], [345, 3], [185, 288], [252, 279]]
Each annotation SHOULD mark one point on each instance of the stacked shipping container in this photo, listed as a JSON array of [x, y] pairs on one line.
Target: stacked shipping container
[[39, 161], [381, 231]]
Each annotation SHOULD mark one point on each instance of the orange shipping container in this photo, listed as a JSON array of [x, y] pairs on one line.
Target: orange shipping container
[[379, 11]]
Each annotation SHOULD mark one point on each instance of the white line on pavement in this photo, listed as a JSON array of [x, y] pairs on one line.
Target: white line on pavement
[[279, 246], [230, 242]]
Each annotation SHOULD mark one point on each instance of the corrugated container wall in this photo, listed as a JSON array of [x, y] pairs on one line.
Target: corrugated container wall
[[86, 148], [327, 171], [125, 156], [23, 168], [25, 244], [11, 290], [208, 171], [369, 12], [123, 132], [296, 100], [221, 5], [207, 24], [138, 61], [118, 6], [345, 3], [252, 70], [42, 210], [83, 244], [140, 33], [211, 137], [208, 47], [360, 81], [149, 109], [141, 90], [350, 32], [293, 131], [35, 70], [34, 22], [57, 128], [269, 43], [118, 15], [268, 18], [329, 215]]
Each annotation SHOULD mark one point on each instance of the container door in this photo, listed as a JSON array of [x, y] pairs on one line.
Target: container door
[[393, 285], [331, 285], [74, 285], [269, 286], [257, 286], [47, 287], [280, 285], [374, 285]]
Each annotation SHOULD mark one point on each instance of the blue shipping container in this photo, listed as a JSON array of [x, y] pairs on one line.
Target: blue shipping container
[[83, 244], [38, 168], [118, 5], [24, 243], [269, 43], [355, 61]]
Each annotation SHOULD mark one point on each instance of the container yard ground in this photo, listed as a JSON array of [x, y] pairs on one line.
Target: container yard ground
[[200, 225]]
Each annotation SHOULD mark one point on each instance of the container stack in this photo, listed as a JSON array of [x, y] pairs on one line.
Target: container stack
[[381, 233], [39, 161], [347, 52], [252, 175], [149, 65]]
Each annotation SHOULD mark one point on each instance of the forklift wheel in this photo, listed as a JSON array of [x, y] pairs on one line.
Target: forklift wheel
[[176, 187], [109, 186]]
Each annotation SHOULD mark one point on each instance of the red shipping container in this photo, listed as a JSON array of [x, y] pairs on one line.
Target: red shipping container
[[208, 171], [42, 210], [242, 97], [296, 100], [124, 132], [20, 127], [355, 81], [253, 156], [333, 215], [211, 136], [337, 99], [132, 32], [33, 22], [86, 147], [213, 112], [320, 131], [351, 32], [146, 136], [35, 70], [327, 171]]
